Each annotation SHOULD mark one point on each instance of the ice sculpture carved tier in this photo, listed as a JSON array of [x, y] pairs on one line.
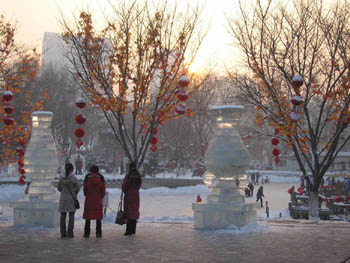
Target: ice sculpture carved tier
[[226, 155], [226, 159], [40, 205], [40, 160]]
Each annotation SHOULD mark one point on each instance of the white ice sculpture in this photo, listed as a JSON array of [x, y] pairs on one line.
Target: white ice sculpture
[[227, 159], [40, 206]]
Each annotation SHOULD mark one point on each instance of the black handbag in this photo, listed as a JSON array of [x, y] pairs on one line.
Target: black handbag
[[120, 218], [76, 201]]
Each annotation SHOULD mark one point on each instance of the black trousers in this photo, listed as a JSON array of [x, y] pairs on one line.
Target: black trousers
[[98, 226], [131, 227], [63, 228], [261, 201]]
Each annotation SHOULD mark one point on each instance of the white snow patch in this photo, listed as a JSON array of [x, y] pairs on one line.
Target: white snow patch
[[11, 192]]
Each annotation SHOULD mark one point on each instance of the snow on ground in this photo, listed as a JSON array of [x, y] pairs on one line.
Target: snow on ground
[[171, 205]]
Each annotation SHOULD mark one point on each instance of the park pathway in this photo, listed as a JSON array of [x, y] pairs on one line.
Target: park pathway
[[272, 241]]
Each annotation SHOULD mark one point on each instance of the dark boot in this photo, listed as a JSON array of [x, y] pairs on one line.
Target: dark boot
[[63, 229], [133, 227], [128, 231], [71, 224], [87, 228], [98, 228]]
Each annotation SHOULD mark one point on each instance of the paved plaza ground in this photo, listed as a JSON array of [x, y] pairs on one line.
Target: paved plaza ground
[[271, 241]]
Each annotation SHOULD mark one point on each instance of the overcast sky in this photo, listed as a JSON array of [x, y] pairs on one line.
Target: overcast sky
[[35, 17]]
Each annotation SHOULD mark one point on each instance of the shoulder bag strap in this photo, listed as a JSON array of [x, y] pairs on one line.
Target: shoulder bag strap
[[120, 206], [71, 192]]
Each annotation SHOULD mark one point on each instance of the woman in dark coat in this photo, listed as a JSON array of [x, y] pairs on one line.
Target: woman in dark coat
[[131, 186], [94, 191], [68, 186]]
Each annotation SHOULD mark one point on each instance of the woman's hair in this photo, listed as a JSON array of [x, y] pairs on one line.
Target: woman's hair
[[94, 169], [68, 168], [133, 174]]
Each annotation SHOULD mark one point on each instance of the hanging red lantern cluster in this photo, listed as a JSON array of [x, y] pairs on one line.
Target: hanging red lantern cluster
[[182, 95], [276, 141], [153, 148], [20, 151], [297, 82], [180, 109], [8, 120], [7, 96], [80, 119], [154, 140], [297, 100], [276, 152], [80, 103]]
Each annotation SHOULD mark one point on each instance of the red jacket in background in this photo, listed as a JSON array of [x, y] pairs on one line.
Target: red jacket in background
[[94, 191], [131, 197]]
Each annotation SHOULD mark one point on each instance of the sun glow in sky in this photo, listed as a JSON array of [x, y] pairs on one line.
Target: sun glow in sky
[[34, 17]]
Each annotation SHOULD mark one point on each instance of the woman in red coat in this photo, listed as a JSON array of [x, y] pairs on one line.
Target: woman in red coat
[[94, 191], [131, 186]]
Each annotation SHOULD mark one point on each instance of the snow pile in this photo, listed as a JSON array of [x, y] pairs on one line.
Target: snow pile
[[252, 227], [162, 191], [11, 192]]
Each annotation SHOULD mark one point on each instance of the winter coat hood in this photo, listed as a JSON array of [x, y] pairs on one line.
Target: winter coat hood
[[67, 179]]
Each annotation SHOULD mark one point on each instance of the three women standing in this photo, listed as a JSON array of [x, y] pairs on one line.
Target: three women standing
[[131, 186], [94, 191], [69, 187]]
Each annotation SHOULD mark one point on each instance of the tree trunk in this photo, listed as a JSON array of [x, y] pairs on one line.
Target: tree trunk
[[313, 207]]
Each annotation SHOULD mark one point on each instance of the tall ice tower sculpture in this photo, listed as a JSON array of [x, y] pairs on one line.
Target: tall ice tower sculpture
[[227, 159], [40, 206]]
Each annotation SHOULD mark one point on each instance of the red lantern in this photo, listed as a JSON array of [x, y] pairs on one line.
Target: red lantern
[[337, 199], [297, 81], [331, 187], [20, 163], [7, 96], [20, 151], [276, 152], [9, 109], [297, 100], [21, 141], [275, 141], [155, 131], [324, 187], [276, 160], [21, 181], [277, 131], [79, 132], [182, 95], [153, 148], [154, 140], [80, 119], [184, 81], [8, 121], [300, 190], [79, 143], [295, 116], [328, 201], [80, 103], [289, 190], [180, 109]]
